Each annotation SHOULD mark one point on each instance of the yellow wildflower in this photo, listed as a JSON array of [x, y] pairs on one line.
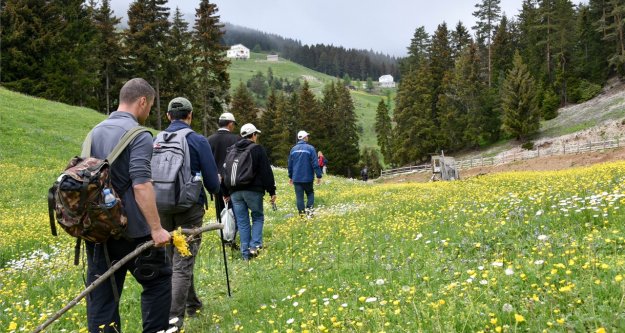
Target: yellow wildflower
[[180, 243]]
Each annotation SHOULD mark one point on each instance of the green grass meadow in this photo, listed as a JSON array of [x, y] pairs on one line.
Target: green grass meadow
[[365, 103], [514, 252]]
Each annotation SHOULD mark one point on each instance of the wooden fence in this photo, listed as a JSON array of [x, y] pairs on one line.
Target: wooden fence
[[480, 161]]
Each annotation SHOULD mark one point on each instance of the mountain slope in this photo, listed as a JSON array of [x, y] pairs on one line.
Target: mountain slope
[[365, 103]]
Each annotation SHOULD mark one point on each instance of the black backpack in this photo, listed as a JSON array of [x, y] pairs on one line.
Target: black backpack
[[238, 167]]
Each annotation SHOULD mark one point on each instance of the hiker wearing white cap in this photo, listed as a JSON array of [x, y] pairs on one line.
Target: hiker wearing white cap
[[303, 166], [247, 175], [220, 141]]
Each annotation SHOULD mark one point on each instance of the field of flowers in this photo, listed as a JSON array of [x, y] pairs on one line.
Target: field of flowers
[[515, 252]]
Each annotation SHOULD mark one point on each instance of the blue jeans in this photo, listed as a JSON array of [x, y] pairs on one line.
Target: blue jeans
[[242, 203], [300, 189]]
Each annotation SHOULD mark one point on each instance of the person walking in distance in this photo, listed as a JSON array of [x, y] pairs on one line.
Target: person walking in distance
[[303, 166], [247, 175], [204, 172], [364, 173], [132, 178], [220, 141], [323, 162]]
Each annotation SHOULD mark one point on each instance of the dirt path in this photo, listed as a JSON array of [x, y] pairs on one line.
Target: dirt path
[[537, 164]]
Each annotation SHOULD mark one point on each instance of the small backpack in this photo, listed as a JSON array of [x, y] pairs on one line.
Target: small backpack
[[238, 167], [176, 188], [77, 200]]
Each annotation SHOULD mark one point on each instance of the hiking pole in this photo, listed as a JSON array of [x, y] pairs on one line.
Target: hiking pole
[[223, 247], [189, 232]]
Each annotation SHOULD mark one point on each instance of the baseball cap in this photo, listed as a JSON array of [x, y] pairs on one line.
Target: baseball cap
[[179, 104], [227, 116], [248, 129], [302, 134]]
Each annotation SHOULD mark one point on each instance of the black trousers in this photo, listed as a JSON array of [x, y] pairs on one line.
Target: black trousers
[[152, 269]]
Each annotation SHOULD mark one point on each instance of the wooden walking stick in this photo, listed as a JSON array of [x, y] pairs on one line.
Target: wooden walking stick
[[189, 232]]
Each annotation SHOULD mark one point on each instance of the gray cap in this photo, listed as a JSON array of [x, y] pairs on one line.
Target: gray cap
[[179, 104]]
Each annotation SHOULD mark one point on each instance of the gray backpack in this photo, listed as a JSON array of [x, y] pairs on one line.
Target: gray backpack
[[176, 188]]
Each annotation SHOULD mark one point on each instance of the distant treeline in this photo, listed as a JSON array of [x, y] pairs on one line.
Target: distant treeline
[[460, 90], [332, 60]]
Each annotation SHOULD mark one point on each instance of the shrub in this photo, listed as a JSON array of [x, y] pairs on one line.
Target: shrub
[[528, 145]]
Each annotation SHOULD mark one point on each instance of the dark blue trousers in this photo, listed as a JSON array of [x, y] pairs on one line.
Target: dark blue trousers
[[300, 189], [152, 269]]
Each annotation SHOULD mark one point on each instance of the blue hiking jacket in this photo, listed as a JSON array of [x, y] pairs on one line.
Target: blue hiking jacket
[[303, 163]]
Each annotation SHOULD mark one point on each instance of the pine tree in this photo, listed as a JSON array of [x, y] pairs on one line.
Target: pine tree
[[308, 110], [211, 65], [27, 42], [179, 71], [591, 53], [383, 131], [283, 139], [243, 106], [563, 44], [502, 49], [487, 14], [614, 28], [148, 28], [268, 123], [417, 51], [460, 38], [414, 133], [521, 115], [345, 134], [109, 51], [441, 64]]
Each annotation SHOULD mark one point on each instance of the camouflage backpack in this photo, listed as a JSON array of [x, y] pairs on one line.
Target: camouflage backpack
[[77, 198]]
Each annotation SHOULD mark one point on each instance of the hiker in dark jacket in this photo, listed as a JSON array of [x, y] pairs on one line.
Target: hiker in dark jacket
[[249, 197], [184, 298], [303, 167], [220, 141]]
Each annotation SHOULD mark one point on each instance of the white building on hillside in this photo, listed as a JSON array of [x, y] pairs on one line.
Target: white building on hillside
[[386, 81], [272, 57], [238, 52]]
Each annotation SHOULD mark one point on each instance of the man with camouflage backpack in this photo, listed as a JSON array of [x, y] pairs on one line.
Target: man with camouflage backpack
[[131, 178], [182, 166]]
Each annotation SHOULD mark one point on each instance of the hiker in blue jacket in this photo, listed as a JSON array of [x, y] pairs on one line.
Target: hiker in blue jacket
[[303, 166]]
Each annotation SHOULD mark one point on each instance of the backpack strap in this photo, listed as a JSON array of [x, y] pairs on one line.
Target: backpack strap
[[121, 145], [124, 142], [86, 146]]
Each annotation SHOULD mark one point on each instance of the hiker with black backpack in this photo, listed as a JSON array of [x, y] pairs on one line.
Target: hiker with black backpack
[[182, 166], [247, 175], [131, 179]]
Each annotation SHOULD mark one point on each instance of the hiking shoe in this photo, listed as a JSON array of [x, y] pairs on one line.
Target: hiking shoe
[[253, 252], [193, 312], [310, 213]]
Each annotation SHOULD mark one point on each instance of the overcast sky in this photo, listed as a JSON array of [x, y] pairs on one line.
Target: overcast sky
[[382, 25]]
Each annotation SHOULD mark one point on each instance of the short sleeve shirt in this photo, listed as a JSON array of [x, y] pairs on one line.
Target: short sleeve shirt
[[132, 167]]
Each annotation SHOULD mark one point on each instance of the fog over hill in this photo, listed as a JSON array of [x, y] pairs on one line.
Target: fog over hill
[[382, 26]]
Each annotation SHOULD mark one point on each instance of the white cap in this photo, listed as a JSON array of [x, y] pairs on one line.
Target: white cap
[[248, 129], [227, 116], [302, 134]]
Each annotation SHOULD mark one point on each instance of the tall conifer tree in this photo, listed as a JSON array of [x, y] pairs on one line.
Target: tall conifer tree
[[109, 51], [383, 131], [146, 37], [243, 106], [211, 64], [521, 114], [487, 14]]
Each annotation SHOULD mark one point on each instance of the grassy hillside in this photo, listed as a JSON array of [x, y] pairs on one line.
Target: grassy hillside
[[365, 103], [512, 252]]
